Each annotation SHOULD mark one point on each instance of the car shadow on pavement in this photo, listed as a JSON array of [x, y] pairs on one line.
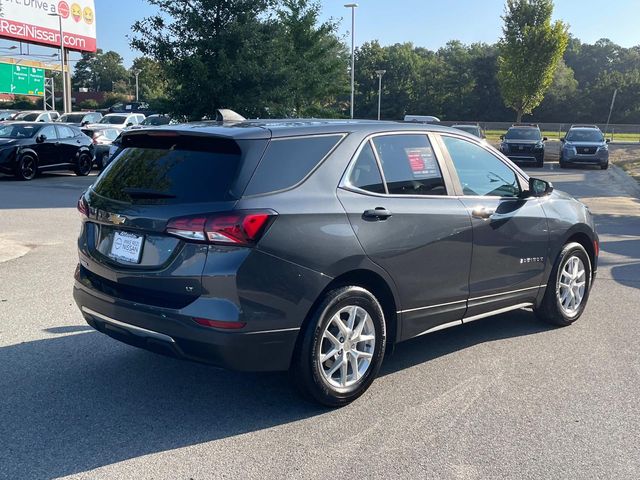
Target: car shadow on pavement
[[77, 402], [47, 190]]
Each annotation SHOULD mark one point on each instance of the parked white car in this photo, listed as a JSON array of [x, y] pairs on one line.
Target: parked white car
[[120, 120]]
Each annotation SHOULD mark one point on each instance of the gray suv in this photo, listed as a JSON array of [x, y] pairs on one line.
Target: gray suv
[[315, 246], [586, 145]]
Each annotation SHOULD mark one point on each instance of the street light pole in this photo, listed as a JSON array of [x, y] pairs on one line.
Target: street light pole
[[353, 7], [64, 77], [137, 74], [380, 73]]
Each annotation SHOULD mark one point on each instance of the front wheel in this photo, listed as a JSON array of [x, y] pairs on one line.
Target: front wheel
[[27, 167], [341, 347], [568, 288], [605, 166], [84, 165]]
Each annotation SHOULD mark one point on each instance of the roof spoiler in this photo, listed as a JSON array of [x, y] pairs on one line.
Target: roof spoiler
[[227, 116]]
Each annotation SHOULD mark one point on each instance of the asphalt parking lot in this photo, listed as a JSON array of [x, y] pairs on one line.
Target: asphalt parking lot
[[505, 397]]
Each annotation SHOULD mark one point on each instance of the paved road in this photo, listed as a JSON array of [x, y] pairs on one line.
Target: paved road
[[505, 397]]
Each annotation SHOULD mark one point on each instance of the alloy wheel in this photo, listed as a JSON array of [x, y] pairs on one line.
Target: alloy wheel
[[571, 286], [347, 347]]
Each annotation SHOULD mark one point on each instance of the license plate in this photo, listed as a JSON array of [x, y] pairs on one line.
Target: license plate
[[520, 147], [126, 247]]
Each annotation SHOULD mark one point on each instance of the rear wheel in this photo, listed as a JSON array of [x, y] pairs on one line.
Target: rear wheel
[[84, 165], [27, 167], [568, 288], [341, 348]]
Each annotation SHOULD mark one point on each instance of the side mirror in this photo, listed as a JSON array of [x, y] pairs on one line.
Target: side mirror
[[608, 140], [501, 137], [41, 120], [41, 139], [544, 139], [563, 139], [539, 187], [84, 123], [130, 124]]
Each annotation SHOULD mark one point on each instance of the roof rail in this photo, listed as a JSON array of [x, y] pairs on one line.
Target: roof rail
[[578, 125], [525, 125], [226, 115]]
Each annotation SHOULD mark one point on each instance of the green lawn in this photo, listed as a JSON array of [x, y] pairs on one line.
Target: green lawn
[[494, 136]]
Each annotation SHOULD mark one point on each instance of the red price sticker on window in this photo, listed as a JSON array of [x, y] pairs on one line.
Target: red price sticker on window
[[416, 161], [422, 163]]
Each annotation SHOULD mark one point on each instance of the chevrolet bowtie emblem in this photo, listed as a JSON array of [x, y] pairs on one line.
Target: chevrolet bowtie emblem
[[116, 219]]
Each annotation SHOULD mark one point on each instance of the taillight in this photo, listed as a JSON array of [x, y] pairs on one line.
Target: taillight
[[234, 228], [82, 207]]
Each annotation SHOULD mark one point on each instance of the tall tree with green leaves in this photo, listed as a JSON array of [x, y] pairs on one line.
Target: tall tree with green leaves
[[100, 71], [530, 50]]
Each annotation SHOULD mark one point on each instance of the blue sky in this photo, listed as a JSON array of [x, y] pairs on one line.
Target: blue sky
[[427, 23]]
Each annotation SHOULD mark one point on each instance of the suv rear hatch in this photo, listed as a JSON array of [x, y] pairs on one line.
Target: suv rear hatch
[[141, 214]]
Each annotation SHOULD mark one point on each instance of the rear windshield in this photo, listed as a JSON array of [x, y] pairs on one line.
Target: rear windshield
[[170, 171], [523, 134], [72, 117], [28, 117], [585, 136], [114, 120]]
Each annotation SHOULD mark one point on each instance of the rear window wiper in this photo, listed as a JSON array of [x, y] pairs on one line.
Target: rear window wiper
[[146, 193]]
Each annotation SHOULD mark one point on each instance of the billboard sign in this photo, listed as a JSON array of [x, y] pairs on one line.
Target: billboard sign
[[32, 21], [21, 80]]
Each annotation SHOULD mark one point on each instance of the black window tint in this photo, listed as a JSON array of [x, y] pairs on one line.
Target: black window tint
[[480, 172], [365, 173], [186, 170], [409, 165], [288, 161], [65, 132]]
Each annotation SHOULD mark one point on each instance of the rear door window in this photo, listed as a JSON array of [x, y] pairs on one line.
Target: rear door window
[[288, 161], [171, 171], [65, 132], [409, 165]]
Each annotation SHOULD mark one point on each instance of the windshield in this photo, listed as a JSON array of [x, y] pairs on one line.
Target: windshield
[[523, 134], [155, 121], [590, 135], [469, 129], [114, 120], [72, 118], [18, 131], [28, 117]]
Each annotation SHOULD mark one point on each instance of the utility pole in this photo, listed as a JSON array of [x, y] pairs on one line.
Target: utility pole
[[613, 101], [137, 74], [66, 103]]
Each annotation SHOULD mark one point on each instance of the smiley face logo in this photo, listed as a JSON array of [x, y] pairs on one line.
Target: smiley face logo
[[76, 12], [87, 13]]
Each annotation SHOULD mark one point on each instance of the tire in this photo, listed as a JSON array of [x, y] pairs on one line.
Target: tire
[[540, 163], [27, 167], [84, 165], [563, 164], [605, 166], [312, 377], [552, 309]]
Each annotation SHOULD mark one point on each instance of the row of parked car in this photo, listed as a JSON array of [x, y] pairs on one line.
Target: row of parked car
[[524, 144], [36, 141]]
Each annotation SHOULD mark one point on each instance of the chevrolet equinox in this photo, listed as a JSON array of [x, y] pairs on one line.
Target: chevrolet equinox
[[313, 246]]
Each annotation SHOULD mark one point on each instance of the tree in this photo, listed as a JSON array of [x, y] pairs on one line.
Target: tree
[[100, 71], [530, 50], [312, 61]]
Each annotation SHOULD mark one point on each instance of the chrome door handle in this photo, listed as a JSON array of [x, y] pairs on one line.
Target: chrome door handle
[[482, 212]]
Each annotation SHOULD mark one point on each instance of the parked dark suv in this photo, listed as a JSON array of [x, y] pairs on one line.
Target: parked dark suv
[[315, 245], [523, 143]]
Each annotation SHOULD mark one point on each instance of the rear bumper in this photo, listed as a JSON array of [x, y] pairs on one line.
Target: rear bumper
[[169, 333]]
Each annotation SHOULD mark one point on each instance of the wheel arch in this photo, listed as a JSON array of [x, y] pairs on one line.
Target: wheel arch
[[584, 237]]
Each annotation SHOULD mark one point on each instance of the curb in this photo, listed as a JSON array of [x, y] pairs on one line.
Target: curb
[[628, 183]]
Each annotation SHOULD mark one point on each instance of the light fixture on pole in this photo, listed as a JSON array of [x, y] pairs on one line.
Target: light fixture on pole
[[380, 73], [353, 7], [64, 78], [137, 74]]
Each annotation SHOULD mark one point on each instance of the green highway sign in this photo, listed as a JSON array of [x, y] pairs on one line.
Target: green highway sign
[[21, 80]]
